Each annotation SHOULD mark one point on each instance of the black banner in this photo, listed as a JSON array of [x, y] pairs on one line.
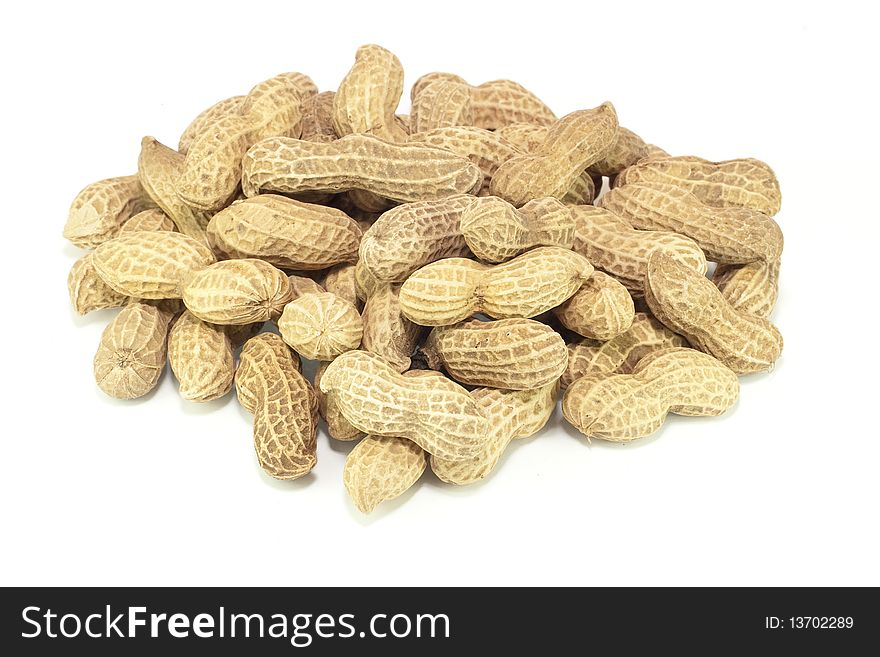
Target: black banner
[[333, 621]]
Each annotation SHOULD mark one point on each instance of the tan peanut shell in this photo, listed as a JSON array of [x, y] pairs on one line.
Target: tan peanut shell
[[88, 291], [624, 407], [515, 354], [495, 231], [380, 468], [340, 280], [100, 209], [743, 183], [438, 415], [317, 122], [132, 351], [237, 292], [365, 284], [159, 168], [337, 426], [572, 144], [300, 285], [441, 104], [627, 149], [285, 409], [400, 172], [212, 167], [527, 137], [369, 94], [601, 309], [286, 233], [387, 333], [512, 414], [689, 304], [610, 243], [752, 288], [620, 354], [150, 264], [487, 149], [153, 219], [200, 356], [321, 325], [413, 235], [726, 235], [450, 290], [221, 109]]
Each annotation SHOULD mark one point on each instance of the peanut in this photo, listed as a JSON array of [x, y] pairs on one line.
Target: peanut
[[150, 264], [237, 292], [99, 210], [286, 233], [400, 172], [688, 303], [88, 291], [159, 169], [337, 426], [627, 149], [624, 407], [612, 244], [387, 333], [435, 413], [413, 235], [300, 285], [285, 409], [572, 144], [317, 123], [369, 94], [321, 326], [726, 235], [516, 354], [380, 468], [200, 356], [212, 166], [340, 280], [131, 354], [495, 231], [601, 309], [511, 414], [620, 354], [221, 109], [153, 219], [450, 290], [751, 288], [441, 104], [744, 183]]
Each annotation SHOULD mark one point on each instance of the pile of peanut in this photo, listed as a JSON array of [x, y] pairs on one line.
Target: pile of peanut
[[454, 271]]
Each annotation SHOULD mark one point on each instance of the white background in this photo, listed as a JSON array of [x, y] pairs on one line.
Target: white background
[[783, 490]]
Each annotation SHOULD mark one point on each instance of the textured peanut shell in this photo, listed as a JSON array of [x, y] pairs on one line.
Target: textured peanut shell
[[88, 291], [726, 235], [620, 354], [159, 168], [317, 123], [412, 235], [237, 292], [380, 468], [150, 264], [387, 333], [337, 426], [441, 104], [743, 183], [222, 108], [601, 309], [100, 209], [365, 283], [516, 354], [400, 172], [200, 356], [610, 243], [450, 290], [132, 351], [689, 304], [751, 288], [572, 144], [300, 285], [495, 231], [286, 233], [624, 407], [321, 326], [153, 219], [438, 415], [212, 167], [487, 149], [527, 137], [627, 149], [511, 414], [285, 409], [369, 94], [340, 280]]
